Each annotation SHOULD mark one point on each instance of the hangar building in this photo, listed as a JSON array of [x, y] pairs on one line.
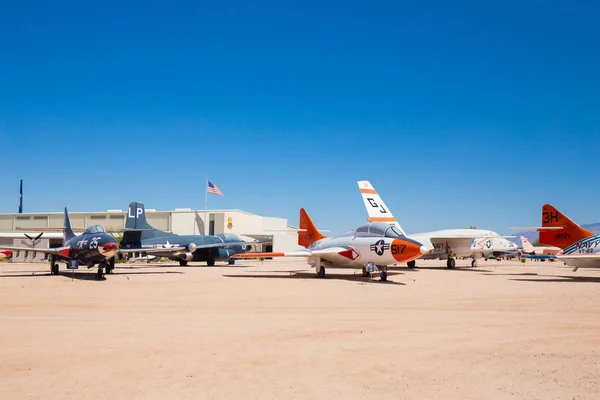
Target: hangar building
[[179, 221]]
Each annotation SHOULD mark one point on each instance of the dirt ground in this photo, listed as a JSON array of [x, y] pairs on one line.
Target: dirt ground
[[275, 331]]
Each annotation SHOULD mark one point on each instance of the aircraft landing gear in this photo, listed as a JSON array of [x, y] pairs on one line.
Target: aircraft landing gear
[[384, 274], [321, 271], [451, 263], [182, 263], [53, 266], [474, 263], [365, 273], [411, 264], [210, 261], [231, 261], [100, 273], [110, 266]]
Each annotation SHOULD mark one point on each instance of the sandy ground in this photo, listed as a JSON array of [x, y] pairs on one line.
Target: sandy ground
[[274, 331]]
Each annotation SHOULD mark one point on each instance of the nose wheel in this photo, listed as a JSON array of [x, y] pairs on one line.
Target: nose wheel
[[474, 263], [321, 271]]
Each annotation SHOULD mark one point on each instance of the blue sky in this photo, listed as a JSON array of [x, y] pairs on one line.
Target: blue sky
[[470, 113]]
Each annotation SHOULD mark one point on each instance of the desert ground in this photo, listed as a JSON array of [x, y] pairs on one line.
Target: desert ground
[[272, 330]]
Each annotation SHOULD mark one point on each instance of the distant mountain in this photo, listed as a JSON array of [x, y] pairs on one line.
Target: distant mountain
[[532, 236]]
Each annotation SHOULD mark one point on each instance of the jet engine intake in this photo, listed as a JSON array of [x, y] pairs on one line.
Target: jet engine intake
[[188, 256]]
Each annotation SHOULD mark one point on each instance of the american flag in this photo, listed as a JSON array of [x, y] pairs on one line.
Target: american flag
[[212, 188]]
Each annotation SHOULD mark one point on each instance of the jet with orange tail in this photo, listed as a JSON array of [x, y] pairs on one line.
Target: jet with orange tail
[[580, 247], [375, 243]]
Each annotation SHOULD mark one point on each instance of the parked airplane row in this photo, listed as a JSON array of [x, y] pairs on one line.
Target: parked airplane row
[[383, 242], [380, 243]]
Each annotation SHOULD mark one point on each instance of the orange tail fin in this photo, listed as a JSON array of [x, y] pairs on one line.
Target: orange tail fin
[[563, 238], [308, 233]]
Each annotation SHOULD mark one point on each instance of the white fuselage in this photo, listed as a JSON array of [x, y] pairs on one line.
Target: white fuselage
[[382, 251], [589, 251]]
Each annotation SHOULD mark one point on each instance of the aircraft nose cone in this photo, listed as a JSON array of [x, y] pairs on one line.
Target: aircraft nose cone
[[423, 249], [404, 250], [109, 249]]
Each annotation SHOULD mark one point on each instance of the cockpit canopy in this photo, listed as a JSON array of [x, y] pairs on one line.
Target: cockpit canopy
[[95, 229], [378, 229]]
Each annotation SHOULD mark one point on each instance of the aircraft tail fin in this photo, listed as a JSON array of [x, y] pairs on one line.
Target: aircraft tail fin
[[137, 227], [308, 233], [68, 233], [376, 208], [569, 234], [527, 247]]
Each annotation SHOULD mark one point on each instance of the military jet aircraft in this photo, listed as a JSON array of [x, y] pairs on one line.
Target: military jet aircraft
[[376, 243], [93, 247], [140, 237], [444, 244]]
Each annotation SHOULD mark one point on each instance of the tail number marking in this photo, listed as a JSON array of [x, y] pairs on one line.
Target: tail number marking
[[375, 205], [139, 211], [549, 217]]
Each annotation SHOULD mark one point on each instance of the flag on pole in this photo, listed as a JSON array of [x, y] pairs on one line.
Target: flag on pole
[[212, 188]]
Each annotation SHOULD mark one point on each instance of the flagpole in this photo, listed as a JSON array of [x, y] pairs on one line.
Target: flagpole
[[206, 207]]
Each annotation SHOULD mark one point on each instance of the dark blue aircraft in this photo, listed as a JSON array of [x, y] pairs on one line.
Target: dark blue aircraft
[[93, 247], [139, 236]]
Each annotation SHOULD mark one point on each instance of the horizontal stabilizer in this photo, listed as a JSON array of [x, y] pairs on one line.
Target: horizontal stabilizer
[[298, 253], [536, 228]]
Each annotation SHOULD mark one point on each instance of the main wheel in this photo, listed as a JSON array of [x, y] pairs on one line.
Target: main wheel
[[55, 269], [451, 263], [411, 264], [183, 263], [231, 261], [211, 260], [365, 273], [383, 276], [474, 263], [321, 272]]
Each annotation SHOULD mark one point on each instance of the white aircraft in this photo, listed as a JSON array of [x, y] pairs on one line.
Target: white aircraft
[[444, 244], [374, 244]]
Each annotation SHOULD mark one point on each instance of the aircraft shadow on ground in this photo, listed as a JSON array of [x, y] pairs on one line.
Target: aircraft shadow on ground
[[82, 275], [561, 278], [457, 269], [311, 275]]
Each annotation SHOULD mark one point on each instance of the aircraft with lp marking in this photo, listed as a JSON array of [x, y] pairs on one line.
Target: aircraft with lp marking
[[580, 247], [445, 244], [140, 237], [375, 244], [93, 247]]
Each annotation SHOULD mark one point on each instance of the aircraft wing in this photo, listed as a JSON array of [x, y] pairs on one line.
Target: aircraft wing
[[298, 253], [582, 257], [59, 251], [470, 236], [154, 250], [227, 244]]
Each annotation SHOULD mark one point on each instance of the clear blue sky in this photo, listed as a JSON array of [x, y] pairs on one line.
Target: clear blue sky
[[459, 113]]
